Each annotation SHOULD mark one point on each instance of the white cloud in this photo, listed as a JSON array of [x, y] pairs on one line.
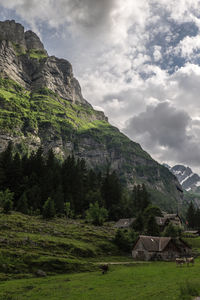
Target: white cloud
[[117, 48]]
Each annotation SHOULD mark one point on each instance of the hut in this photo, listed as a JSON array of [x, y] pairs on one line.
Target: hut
[[159, 248], [174, 219], [124, 223]]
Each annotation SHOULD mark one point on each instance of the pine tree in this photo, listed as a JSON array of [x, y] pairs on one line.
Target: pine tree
[[22, 204], [48, 209], [152, 227], [190, 215], [59, 200]]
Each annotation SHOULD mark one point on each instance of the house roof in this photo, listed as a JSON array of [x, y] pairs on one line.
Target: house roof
[[123, 223], [171, 216], [154, 243], [158, 244]]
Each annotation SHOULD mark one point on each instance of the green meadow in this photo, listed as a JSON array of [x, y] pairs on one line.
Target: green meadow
[[70, 252], [155, 280]]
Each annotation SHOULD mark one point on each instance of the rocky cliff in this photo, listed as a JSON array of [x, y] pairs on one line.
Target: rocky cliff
[[41, 105]]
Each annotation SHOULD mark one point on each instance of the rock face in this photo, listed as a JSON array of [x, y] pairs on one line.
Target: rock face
[[24, 59], [41, 105], [189, 181]]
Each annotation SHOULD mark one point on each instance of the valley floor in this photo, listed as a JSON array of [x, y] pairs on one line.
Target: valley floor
[[156, 281], [70, 252]]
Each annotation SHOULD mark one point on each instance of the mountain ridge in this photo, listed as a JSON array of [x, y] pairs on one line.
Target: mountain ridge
[[189, 180], [41, 104]]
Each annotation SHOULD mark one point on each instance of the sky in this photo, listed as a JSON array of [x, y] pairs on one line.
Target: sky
[[137, 60]]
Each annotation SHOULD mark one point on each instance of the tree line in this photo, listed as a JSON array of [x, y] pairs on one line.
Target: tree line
[[193, 217], [44, 185]]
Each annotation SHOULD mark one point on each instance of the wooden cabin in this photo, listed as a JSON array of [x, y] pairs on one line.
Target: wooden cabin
[[159, 248]]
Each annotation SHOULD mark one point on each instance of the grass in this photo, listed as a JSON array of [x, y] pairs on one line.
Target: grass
[[156, 281], [29, 243], [37, 54]]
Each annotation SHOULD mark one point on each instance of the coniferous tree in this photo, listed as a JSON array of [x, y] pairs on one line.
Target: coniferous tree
[[22, 204], [151, 226], [48, 211], [190, 215], [59, 200]]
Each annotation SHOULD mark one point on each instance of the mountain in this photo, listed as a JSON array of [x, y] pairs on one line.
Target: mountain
[[41, 104], [189, 181]]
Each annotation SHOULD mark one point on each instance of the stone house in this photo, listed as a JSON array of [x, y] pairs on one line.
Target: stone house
[[124, 223], [174, 219], [159, 248]]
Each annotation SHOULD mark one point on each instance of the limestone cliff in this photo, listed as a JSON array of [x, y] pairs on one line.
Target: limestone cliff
[[24, 59], [41, 105]]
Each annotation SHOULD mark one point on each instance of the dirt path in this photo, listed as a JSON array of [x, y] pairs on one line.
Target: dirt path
[[120, 263]]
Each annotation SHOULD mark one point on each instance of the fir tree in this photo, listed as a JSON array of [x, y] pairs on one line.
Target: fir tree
[[22, 204], [48, 209], [190, 215], [152, 227]]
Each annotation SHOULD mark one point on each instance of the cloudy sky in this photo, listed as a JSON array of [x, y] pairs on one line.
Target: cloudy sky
[[138, 60]]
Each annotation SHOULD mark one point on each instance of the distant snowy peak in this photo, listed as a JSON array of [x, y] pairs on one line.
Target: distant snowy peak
[[189, 181]]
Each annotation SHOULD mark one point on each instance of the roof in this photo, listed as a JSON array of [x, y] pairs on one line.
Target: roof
[[158, 244], [124, 223], [161, 220], [154, 243], [171, 216]]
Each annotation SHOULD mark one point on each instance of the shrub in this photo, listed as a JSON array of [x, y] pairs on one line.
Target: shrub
[[172, 231], [7, 206], [96, 215], [125, 239]]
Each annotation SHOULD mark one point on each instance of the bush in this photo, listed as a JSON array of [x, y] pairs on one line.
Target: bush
[[125, 239], [96, 215], [7, 206], [172, 231]]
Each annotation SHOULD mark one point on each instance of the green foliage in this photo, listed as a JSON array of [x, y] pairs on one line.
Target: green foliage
[[152, 210], [7, 206], [190, 215], [6, 195], [125, 239], [96, 215], [48, 211], [22, 204], [38, 54], [172, 230], [151, 227], [67, 209]]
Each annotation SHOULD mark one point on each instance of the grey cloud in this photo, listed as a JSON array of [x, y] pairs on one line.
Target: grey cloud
[[167, 133], [164, 124]]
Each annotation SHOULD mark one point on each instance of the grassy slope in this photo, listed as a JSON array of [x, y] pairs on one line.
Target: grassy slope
[[57, 246], [23, 110], [63, 246], [153, 281]]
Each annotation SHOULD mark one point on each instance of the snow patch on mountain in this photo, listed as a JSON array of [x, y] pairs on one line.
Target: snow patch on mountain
[[189, 181]]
